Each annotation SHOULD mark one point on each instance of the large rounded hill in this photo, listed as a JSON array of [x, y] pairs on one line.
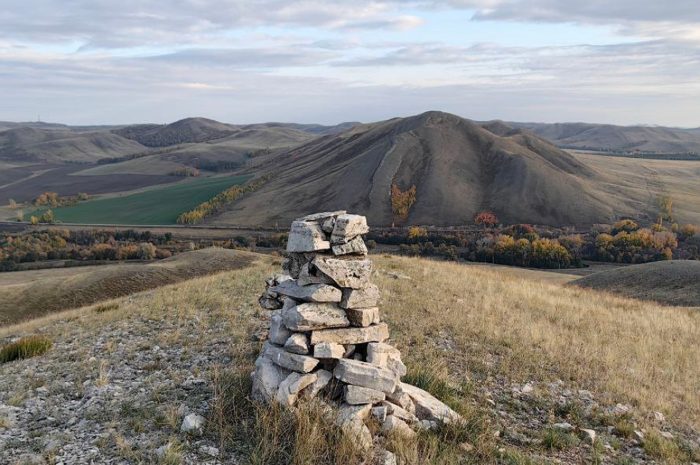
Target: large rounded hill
[[459, 168]]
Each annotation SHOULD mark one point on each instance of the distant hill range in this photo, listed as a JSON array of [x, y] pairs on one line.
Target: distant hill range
[[629, 140], [459, 168]]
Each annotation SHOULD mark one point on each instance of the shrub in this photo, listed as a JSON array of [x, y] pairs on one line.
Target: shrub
[[25, 348], [624, 225], [486, 219]]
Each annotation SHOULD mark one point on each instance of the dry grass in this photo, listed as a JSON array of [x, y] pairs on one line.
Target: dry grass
[[466, 322], [633, 351], [24, 348]]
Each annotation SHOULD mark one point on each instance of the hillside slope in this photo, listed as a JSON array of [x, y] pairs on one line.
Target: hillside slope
[[457, 166], [672, 282], [63, 145]]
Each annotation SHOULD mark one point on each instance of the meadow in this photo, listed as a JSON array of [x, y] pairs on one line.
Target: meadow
[[472, 334], [157, 206]]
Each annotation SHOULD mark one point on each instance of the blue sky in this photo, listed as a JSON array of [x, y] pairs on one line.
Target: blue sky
[[100, 61]]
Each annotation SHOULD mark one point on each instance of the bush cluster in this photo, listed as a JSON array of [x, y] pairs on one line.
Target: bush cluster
[[221, 199], [59, 244], [525, 245]]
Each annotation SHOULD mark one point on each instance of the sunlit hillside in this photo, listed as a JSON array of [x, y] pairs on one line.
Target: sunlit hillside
[[530, 362]]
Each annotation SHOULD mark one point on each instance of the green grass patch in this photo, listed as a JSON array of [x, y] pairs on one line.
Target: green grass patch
[[24, 348], [157, 206], [554, 439]]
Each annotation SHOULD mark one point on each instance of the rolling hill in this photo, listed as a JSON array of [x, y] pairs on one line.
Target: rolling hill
[[625, 139], [671, 283], [31, 144], [457, 166]]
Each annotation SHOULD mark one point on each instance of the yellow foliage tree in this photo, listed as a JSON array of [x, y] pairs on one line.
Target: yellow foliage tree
[[401, 202]]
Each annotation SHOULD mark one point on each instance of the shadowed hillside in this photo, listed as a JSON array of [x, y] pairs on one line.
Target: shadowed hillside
[[31, 294], [183, 131], [458, 167], [673, 282]]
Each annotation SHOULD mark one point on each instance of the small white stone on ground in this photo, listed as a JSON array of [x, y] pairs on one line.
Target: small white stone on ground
[[193, 423]]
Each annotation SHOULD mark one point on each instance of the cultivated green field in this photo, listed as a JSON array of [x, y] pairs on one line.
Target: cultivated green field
[[152, 207]]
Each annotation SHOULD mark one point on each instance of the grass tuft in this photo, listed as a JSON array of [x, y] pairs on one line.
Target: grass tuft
[[553, 439], [106, 308], [25, 348]]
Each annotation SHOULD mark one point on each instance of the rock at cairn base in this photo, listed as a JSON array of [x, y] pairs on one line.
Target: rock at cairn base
[[326, 337]]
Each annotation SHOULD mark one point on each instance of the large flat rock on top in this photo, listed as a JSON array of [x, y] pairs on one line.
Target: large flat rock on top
[[307, 236], [348, 227], [373, 333], [321, 217]]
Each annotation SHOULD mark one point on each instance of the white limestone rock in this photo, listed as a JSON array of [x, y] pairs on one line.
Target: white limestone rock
[[308, 293], [297, 344], [366, 297], [312, 316], [307, 236], [373, 333], [387, 356], [355, 246], [348, 227], [322, 217], [395, 425], [293, 362], [357, 395], [267, 378], [363, 316], [292, 385], [353, 273], [402, 399], [379, 413], [399, 412], [366, 375], [428, 407], [323, 377], [329, 350], [193, 424], [278, 332]]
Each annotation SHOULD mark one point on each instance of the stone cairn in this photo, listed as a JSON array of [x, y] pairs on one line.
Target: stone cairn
[[326, 337]]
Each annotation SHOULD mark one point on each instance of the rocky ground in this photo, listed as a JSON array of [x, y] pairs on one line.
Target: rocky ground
[[120, 383]]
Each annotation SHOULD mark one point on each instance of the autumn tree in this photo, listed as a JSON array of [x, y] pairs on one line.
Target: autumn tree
[[401, 202], [665, 208], [486, 218]]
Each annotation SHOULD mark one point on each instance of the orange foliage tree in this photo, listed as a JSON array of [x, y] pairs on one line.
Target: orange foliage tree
[[486, 218]]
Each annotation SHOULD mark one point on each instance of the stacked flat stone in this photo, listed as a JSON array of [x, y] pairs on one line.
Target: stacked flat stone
[[326, 335]]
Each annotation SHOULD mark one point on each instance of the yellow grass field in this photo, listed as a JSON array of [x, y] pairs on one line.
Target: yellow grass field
[[477, 324]]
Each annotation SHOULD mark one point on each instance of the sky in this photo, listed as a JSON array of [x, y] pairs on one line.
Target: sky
[[309, 61]]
